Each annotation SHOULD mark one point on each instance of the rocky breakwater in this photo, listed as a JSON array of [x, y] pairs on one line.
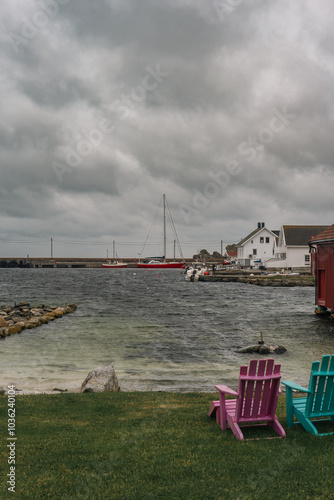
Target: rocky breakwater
[[14, 319], [278, 281]]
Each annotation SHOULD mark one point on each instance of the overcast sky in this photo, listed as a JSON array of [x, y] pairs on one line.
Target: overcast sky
[[227, 108]]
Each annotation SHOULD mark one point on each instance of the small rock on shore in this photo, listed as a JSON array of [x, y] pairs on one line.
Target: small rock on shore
[[263, 349]]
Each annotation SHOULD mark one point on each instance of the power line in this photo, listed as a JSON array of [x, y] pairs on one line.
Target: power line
[[101, 243], [6, 242]]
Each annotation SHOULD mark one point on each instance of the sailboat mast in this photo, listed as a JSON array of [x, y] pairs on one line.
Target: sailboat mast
[[164, 202]]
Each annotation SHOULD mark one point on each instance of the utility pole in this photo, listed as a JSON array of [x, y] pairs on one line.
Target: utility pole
[[164, 204]]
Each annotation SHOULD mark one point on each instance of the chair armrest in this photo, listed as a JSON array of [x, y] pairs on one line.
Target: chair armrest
[[294, 386], [226, 390]]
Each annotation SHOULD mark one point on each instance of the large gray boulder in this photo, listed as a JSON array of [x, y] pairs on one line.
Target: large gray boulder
[[102, 379]]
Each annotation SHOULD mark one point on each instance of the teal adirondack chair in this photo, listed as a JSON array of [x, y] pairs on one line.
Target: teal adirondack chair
[[319, 402]]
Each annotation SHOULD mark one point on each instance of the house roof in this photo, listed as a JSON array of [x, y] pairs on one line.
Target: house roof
[[241, 242], [300, 235], [326, 235], [253, 233]]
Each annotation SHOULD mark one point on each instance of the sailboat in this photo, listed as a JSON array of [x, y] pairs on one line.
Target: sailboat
[[163, 264], [116, 263]]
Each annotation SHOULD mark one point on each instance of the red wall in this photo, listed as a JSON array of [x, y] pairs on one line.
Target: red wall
[[325, 275]]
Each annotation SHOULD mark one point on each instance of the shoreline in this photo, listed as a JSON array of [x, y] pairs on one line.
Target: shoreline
[[77, 390], [28, 392]]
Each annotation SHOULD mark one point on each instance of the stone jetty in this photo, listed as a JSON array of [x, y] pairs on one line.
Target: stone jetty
[[14, 319], [261, 280]]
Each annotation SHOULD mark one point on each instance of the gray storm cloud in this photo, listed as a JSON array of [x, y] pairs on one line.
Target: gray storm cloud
[[226, 107]]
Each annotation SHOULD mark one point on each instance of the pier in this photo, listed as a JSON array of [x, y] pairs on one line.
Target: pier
[[260, 279], [253, 276], [61, 262]]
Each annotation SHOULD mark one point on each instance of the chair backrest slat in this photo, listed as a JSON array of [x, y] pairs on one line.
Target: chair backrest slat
[[267, 388], [312, 388], [331, 404], [328, 395], [241, 390], [317, 407], [274, 391], [249, 389]]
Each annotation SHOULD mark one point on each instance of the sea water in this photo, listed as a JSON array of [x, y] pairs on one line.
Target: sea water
[[157, 330]]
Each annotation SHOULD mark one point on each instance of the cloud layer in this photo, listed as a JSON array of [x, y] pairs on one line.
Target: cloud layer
[[225, 107]]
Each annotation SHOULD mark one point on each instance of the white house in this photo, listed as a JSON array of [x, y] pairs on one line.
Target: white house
[[257, 247], [292, 248]]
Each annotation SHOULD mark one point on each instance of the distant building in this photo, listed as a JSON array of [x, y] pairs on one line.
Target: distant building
[[232, 253], [292, 250], [322, 247], [256, 247]]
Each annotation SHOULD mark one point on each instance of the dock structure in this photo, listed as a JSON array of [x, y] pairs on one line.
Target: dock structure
[[62, 262], [261, 279]]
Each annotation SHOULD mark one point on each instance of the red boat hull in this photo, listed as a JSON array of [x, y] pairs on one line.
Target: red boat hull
[[161, 265]]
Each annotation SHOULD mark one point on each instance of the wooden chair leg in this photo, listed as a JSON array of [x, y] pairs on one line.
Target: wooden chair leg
[[222, 411], [289, 407], [236, 430], [277, 427], [308, 426]]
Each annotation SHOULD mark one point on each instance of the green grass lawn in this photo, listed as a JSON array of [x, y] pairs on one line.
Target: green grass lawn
[[155, 445]]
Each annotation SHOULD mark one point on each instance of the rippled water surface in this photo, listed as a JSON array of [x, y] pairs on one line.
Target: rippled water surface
[[159, 331]]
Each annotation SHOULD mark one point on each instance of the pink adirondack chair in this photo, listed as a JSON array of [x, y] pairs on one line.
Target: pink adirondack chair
[[256, 399]]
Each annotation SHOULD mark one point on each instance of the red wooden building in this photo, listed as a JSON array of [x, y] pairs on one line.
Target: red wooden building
[[322, 248]]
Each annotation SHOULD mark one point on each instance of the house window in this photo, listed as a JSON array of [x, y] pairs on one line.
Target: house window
[[254, 251], [267, 239], [261, 239], [307, 258]]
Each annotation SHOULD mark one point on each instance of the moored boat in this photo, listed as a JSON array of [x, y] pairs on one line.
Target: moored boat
[[155, 264], [115, 264], [195, 271], [163, 264]]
